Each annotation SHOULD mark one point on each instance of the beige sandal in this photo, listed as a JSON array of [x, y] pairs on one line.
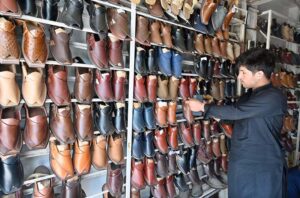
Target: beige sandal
[[176, 6], [164, 4], [150, 2]]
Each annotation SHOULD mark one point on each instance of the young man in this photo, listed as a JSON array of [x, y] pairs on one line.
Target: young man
[[256, 161]]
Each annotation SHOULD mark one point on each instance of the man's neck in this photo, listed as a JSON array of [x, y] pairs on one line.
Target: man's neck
[[261, 84]]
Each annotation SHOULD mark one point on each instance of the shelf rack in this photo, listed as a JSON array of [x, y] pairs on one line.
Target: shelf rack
[[132, 8]]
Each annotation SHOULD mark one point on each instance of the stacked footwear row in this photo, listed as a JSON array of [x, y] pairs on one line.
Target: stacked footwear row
[[102, 52], [284, 31], [65, 132], [284, 79], [164, 157], [117, 25], [183, 41], [170, 63], [170, 88], [211, 17], [283, 55]]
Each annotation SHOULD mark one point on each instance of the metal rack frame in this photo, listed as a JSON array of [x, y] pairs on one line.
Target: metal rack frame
[[269, 38], [134, 11]]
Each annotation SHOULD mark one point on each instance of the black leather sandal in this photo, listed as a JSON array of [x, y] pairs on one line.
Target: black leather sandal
[[72, 13]]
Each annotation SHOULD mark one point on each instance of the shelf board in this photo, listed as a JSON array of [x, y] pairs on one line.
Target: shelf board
[[29, 191], [277, 38], [52, 62], [210, 192], [73, 100], [282, 17], [118, 6], [54, 23]]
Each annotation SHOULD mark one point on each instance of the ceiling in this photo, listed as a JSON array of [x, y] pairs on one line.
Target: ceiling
[[274, 4], [289, 8]]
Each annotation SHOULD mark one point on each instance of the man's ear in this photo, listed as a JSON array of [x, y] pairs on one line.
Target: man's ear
[[260, 74]]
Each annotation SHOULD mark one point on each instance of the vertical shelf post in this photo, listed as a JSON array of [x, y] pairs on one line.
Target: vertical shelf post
[[269, 29], [130, 98]]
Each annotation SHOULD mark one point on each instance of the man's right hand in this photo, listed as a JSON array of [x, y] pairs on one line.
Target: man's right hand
[[196, 105]]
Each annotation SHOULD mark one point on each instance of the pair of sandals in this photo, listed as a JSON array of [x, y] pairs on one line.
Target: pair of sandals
[[49, 9]]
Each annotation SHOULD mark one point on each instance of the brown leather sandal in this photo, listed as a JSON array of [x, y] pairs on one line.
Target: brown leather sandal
[[156, 9], [34, 46], [59, 45], [155, 33], [166, 35], [142, 31], [118, 21], [228, 18]]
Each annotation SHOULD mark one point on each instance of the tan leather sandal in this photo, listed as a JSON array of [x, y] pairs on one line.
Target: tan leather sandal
[[9, 48], [9, 89], [34, 88]]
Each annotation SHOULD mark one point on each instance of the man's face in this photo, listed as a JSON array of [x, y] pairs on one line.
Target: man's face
[[248, 78]]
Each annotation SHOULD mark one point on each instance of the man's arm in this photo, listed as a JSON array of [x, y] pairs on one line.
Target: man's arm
[[255, 107]]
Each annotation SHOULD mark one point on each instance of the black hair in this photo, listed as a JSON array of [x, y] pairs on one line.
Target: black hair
[[257, 59]]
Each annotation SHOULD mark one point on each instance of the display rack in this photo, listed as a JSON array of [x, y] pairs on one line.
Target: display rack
[[134, 11], [270, 14]]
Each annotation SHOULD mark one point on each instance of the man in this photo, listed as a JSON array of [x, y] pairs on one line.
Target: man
[[256, 161], [294, 182]]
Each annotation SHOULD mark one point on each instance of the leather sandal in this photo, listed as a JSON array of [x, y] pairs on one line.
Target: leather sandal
[[164, 4], [11, 139], [34, 88], [150, 2], [179, 41], [10, 7], [11, 175], [199, 43], [97, 46], [166, 35], [72, 13], [228, 18], [9, 89], [188, 8], [115, 56], [98, 19], [9, 48], [118, 21], [218, 17], [61, 160], [197, 23], [156, 9], [36, 132], [28, 7], [155, 33], [59, 45], [34, 47], [49, 9], [136, 1], [219, 34], [43, 188], [57, 83], [142, 33], [207, 9], [176, 6]]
